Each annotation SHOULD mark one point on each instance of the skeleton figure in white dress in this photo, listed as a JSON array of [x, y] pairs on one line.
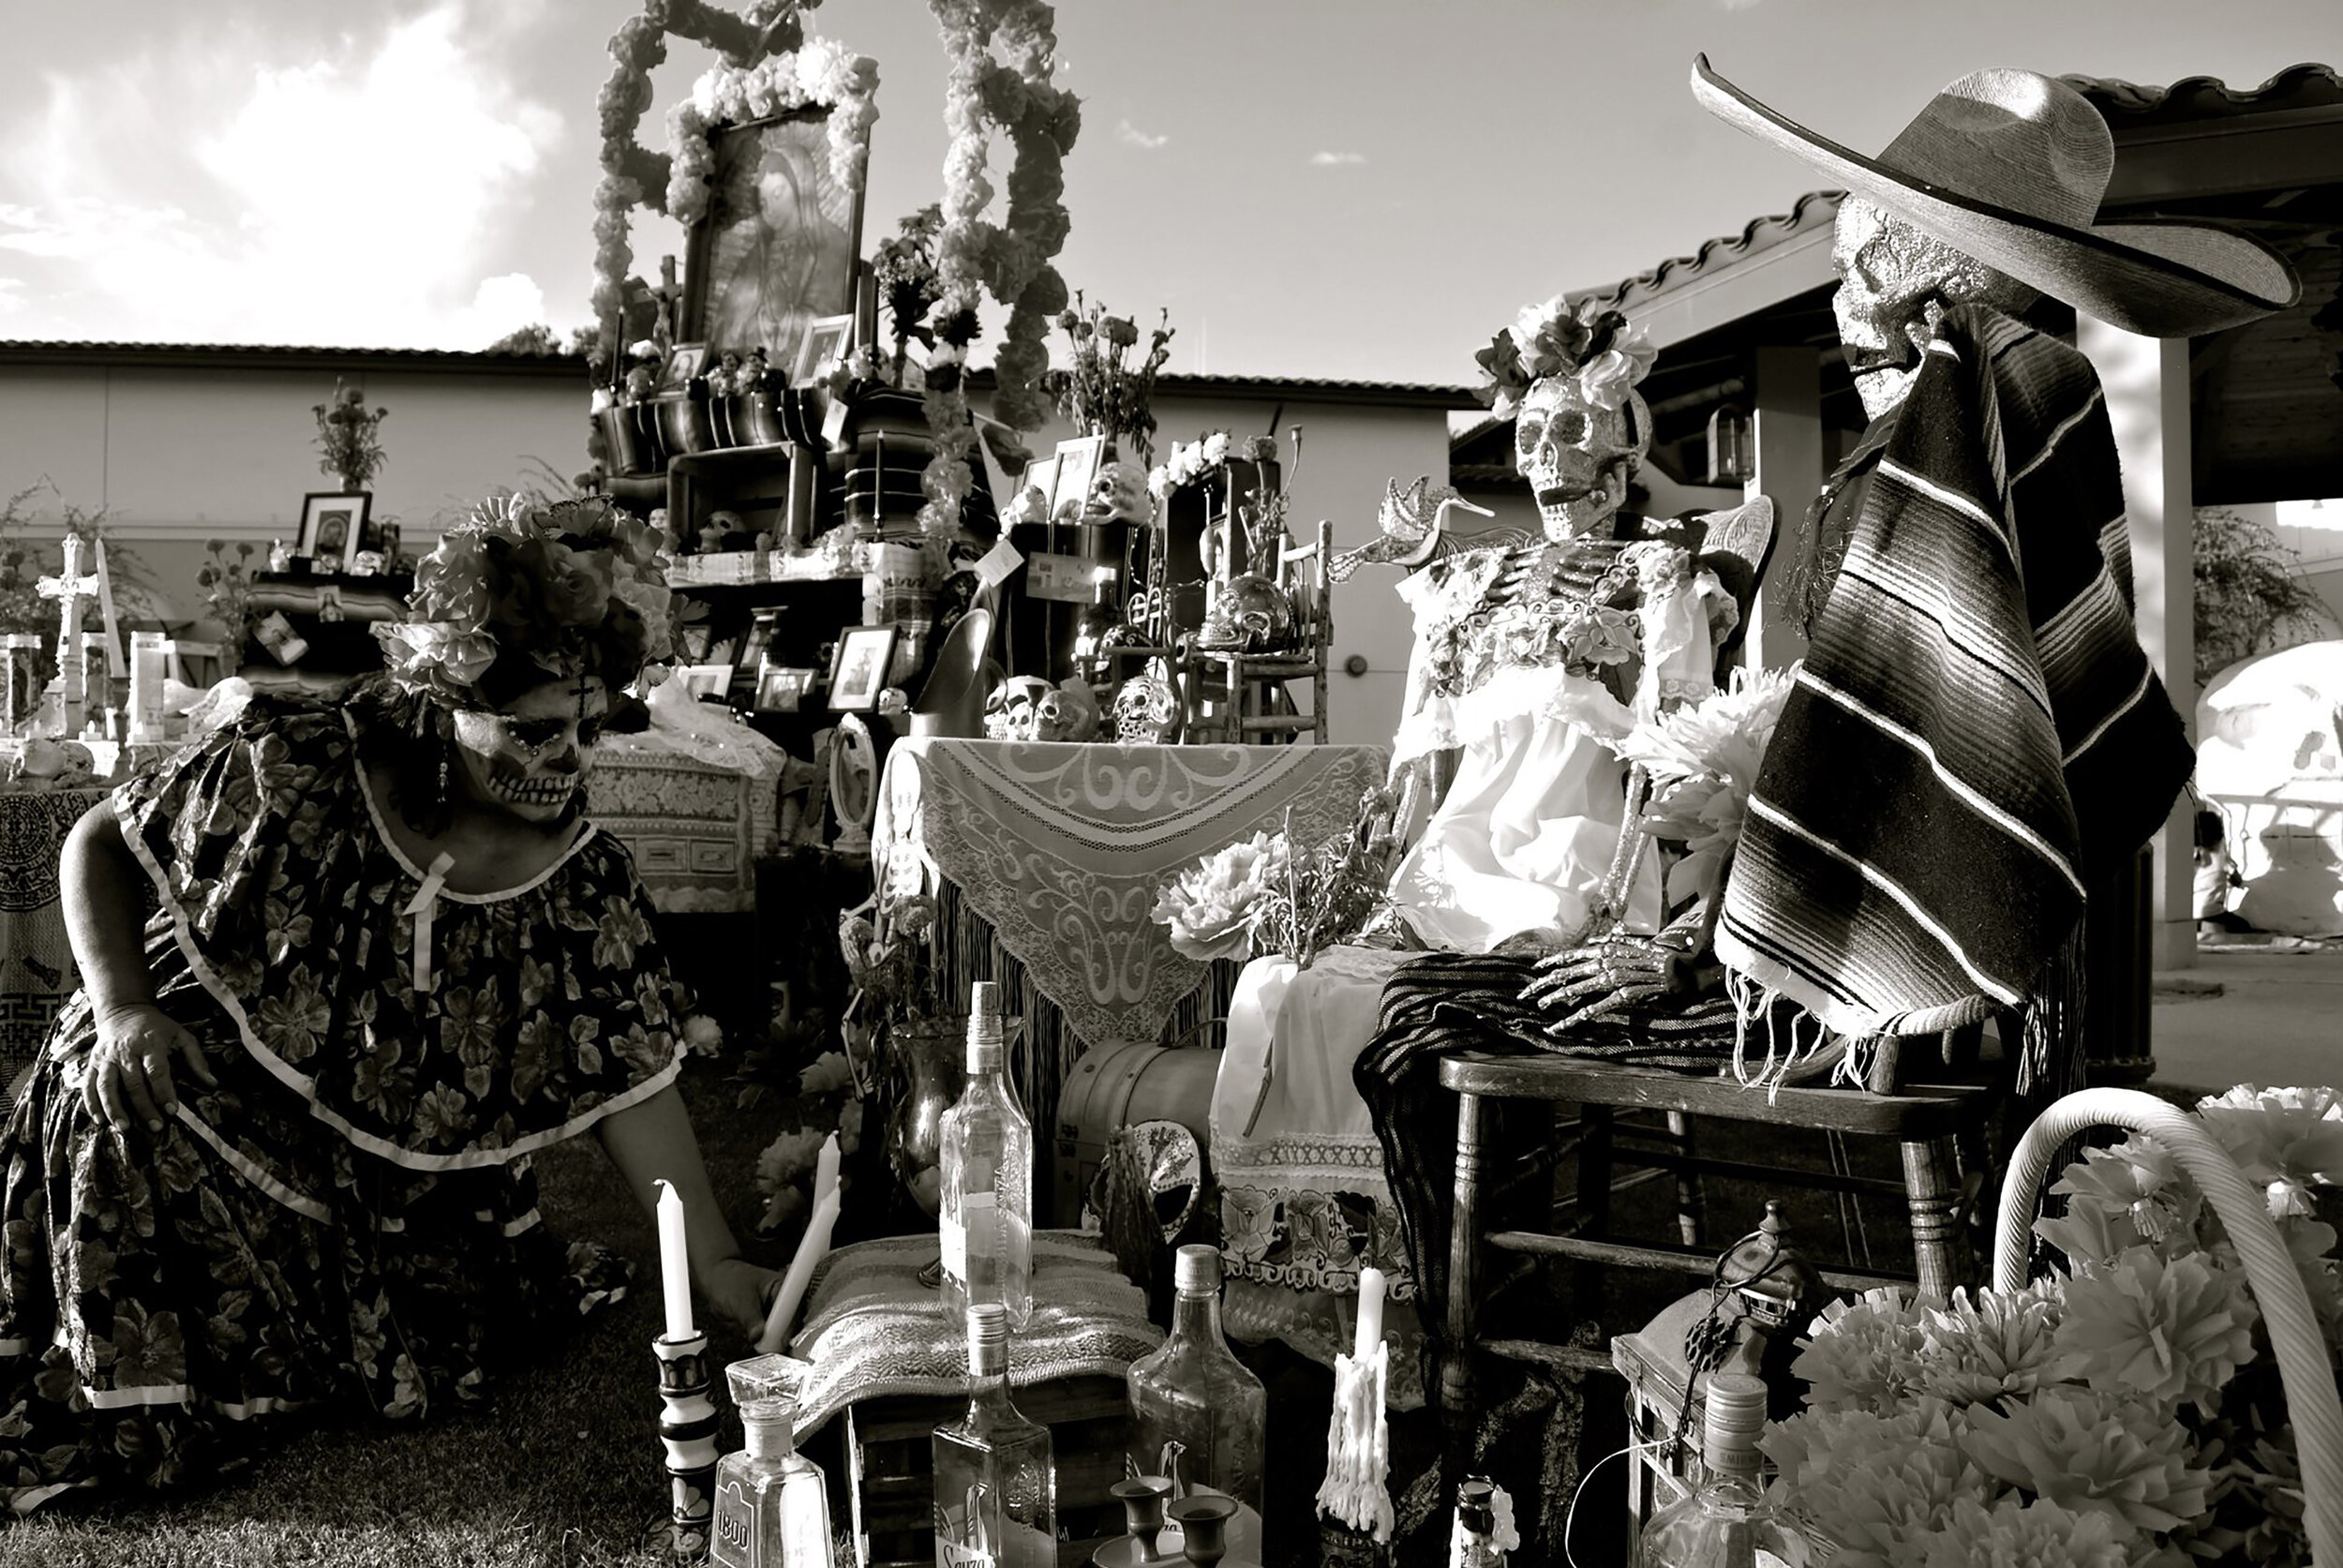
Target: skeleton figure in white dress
[[1529, 659]]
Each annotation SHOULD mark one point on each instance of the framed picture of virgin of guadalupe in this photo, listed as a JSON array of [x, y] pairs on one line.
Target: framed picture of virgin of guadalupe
[[780, 247]]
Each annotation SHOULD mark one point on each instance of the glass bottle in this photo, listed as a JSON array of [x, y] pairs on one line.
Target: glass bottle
[[1475, 1545], [772, 1506], [1724, 1521], [985, 1222], [1199, 1419], [995, 1477]]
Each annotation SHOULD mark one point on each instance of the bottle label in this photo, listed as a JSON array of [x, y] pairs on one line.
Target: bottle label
[[732, 1533], [952, 1554]]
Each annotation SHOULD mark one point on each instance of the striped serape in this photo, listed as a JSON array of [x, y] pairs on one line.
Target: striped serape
[[1975, 736]]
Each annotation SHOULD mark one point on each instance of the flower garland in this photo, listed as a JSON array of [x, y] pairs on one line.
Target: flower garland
[[1590, 341], [823, 74], [631, 171], [1011, 261]]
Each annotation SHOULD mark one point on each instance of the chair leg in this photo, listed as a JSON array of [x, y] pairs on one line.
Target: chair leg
[[1931, 1190], [1460, 1416], [1690, 1201], [1594, 1170]]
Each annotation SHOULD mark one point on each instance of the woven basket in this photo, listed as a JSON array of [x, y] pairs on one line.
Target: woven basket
[[2302, 1350]]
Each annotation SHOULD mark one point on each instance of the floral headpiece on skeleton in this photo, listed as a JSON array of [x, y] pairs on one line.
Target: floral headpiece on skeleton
[[575, 585], [1589, 341]]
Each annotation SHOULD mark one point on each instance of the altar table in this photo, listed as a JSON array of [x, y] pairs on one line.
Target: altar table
[[695, 823], [37, 970], [1046, 859]]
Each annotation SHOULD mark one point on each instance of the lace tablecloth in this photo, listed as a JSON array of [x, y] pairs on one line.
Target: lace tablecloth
[[1051, 855], [37, 970]]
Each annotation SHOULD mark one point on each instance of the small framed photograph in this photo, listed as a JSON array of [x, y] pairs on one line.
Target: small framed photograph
[[859, 672], [781, 689], [1041, 474], [825, 341], [705, 680], [685, 361], [1078, 461], [334, 528], [758, 639]]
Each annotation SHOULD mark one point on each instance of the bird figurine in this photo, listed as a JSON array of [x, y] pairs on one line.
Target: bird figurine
[[1413, 522]]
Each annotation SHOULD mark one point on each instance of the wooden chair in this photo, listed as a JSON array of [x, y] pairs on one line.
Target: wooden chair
[[1235, 696]]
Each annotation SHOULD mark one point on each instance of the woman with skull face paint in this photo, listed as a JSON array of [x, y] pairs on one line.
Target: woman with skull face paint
[[276, 1155]]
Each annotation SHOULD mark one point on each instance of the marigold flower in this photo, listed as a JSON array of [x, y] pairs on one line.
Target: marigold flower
[[2173, 1330], [2091, 1452]]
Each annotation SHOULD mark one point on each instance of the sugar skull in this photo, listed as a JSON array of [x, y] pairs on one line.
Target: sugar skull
[[1250, 614], [1147, 711], [1893, 281], [1011, 712], [1066, 712], [1577, 454]]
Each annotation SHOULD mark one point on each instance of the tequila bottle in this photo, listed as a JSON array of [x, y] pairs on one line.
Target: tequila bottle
[[772, 1508], [1475, 1544], [1199, 1419], [1725, 1521], [985, 1221], [995, 1478]]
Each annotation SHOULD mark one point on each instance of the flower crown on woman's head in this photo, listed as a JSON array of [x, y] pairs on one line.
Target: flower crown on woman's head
[[1589, 341], [574, 584]]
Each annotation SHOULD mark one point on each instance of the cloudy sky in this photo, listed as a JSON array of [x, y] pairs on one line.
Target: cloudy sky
[[1327, 187]]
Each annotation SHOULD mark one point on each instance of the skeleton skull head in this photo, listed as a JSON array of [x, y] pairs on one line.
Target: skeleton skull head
[[1066, 713], [1894, 281], [1251, 613], [1012, 712], [529, 757], [1146, 711], [1577, 455]]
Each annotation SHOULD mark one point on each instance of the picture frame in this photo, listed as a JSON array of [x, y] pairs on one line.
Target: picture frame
[[1041, 474], [827, 340], [782, 688], [858, 672], [759, 637], [334, 528], [1079, 462], [685, 361], [781, 245]]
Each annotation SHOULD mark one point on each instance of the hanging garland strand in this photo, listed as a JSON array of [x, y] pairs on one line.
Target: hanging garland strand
[[633, 174], [1013, 262]]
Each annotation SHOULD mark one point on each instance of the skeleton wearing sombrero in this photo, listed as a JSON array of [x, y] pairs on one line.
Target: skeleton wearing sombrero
[[1976, 737]]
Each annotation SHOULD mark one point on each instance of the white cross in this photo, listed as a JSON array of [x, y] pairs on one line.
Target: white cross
[[70, 587]]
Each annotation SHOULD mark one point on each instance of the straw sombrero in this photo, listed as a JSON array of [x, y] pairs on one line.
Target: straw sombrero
[[2010, 167]]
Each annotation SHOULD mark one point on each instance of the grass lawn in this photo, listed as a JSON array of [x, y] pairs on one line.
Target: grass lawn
[[562, 1469]]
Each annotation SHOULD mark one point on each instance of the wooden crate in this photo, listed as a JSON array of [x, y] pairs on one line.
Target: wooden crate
[[890, 1475]]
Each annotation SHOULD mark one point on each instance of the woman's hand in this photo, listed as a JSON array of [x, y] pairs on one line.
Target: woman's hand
[[740, 1291], [129, 1080]]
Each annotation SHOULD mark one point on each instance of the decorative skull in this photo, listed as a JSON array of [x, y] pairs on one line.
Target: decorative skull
[[1577, 455], [1010, 712], [1251, 615], [530, 756], [1893, 280], [1066, 713], [1147, 711]]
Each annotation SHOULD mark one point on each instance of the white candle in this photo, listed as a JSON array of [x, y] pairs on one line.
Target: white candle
[[1371, 1314], [675, 1268], [812, 1249], [826, 1171]]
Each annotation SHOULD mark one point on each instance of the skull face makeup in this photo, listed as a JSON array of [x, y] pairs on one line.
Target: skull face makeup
[[529, 758], [1891, 276], [1577, 455]]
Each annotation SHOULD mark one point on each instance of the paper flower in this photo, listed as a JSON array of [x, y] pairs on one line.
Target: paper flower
[[2133, 1194], [2091, 1452], [2284, 1141], [2173, 1331], [1212, 907], [1704, 759], [2016, 1534], [1863, 1354], [1589, 341], [1977, 1349], [1875, 1482]]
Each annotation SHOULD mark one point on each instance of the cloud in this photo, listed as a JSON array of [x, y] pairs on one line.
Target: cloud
[[1337, 160], [1739, 5], [11, 295], [1131, 136], [224, 187]]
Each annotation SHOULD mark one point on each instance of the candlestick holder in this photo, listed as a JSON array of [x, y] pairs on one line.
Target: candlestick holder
[[687, 1432]]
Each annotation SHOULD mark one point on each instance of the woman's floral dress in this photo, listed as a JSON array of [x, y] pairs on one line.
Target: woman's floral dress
[[349, 1221]]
